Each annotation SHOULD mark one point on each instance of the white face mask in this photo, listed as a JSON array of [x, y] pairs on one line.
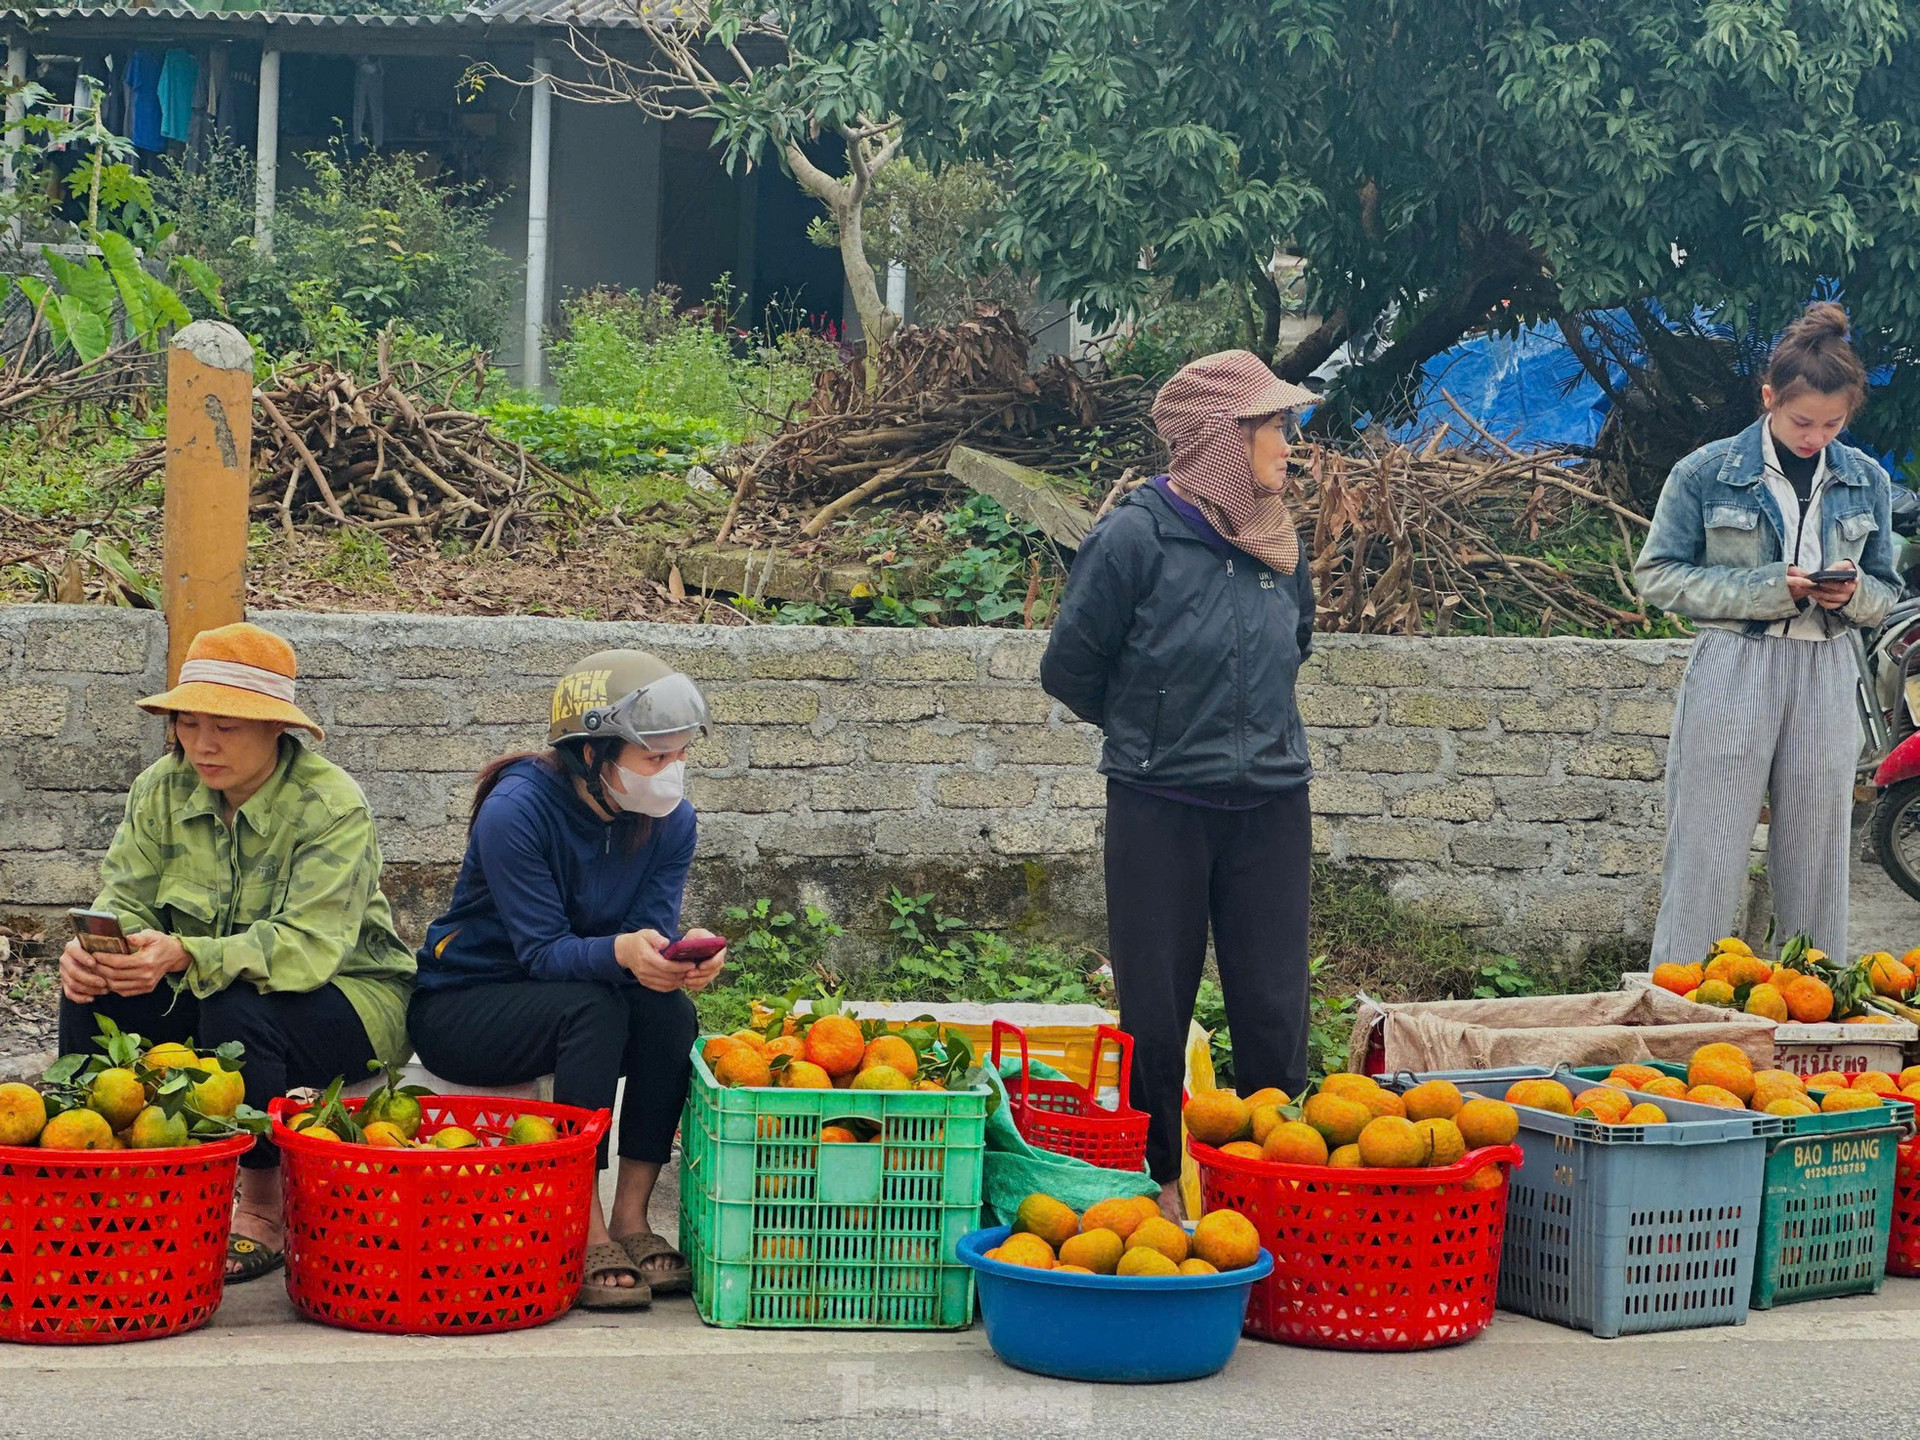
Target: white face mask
[[658, 795]]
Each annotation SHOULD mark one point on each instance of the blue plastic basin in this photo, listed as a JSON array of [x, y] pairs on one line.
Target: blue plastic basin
[[1124, 1329]]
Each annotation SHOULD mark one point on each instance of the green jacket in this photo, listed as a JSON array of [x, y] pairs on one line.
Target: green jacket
[[287, 898]]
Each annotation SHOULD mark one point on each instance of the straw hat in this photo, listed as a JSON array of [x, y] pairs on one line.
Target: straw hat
[[239, 671]]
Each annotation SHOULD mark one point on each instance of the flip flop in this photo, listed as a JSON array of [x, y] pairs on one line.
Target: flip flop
[[607, 1258], [645, 1245], [252, 1258]]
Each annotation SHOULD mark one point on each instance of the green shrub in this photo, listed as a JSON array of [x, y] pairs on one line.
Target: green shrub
[[594, 437], [367, 239]]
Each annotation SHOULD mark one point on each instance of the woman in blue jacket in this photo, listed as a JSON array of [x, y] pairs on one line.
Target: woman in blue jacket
[[1766, 710], [549, 959], [1186, 618]]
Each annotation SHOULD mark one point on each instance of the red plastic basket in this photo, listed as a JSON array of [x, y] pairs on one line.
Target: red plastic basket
[[102, 1246], [1067, 1118], [440, 1242], [1368, 1259], [1903, 1239]]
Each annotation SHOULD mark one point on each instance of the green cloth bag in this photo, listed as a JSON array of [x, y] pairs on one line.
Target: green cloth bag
[[1014, 1169]]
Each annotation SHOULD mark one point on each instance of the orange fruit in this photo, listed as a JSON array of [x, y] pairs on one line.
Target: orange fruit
[[1909, 1076], [1541, 1095], [752, 1039], [1645, 1114], [1146, 1262], [1712, 992], [1163, 1235], [1098, 1250], [1390, 1142], [1714, 1095], [1790, 1105], [1678, 978], [1213, 1117], [1722, 1074], [1912, 959], [791, 1046], [894, 1051], [834, 1043], [77, 1130], [805, 1075], [880, 1077], [1294, 1142], [1269, 1095], [1382, 1101], [1443, 1141], [1835, 1101], [384, 1134], [1260, 1124], [1122, 1217], [23, 1114], [1347, 1157], [1765, 1001], [1780, 1077], [118, 1095], [1732, 945], [1338, 1119], [1487, 1122], [1197, 1267], [1244, 1149], [1633, 1077], [1888, 976], [1609, 1106], [743, 1066], [1829, 1080], [1809, 999], [1433, 1100], [1765, 1092], [1488, 1178], [1667, 1087], [1226, 1240], [837, 1135], [1028, 1250], [1042, 1215], [1878, 1081], [1347, 1084]]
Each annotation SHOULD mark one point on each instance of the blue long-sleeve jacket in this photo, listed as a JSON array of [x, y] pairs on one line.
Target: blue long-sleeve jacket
[[546, 886]]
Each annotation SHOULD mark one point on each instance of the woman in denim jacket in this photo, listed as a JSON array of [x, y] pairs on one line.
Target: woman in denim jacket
[[1766, 708]]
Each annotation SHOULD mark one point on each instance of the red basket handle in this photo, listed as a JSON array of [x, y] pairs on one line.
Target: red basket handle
[[1122, 1042], [999, 1027]]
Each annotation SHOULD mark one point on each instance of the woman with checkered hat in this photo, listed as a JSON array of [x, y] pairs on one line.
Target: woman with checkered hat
[[1181, 634]]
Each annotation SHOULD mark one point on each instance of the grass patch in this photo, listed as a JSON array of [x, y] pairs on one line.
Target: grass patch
[[51, 477]]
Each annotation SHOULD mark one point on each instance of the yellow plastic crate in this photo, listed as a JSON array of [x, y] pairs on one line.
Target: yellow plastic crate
[[1059, 1035]]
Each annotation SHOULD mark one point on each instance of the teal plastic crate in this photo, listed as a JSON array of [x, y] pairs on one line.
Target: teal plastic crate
[[1625, 1229], [1826, 1204], [782, 1231]]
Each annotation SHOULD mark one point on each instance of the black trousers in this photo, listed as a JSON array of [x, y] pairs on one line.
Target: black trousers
[[584, 1033], [1173, 869], [291, 1040]]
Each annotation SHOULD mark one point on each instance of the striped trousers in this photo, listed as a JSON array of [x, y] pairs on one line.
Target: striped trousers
[[1758, 717]]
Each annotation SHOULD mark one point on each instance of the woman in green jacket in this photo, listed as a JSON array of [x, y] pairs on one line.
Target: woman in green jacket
[[246, 875]]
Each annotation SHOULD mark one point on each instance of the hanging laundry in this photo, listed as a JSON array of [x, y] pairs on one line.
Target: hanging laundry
[[179, 73], [369, 103], [143, 102]]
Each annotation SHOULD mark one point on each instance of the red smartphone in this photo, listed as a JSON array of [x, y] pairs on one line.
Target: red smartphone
[[99, 932], [694, 949]]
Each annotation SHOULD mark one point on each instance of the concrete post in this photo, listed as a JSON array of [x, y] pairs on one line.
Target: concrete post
[[203, 549], [534, 367], [266, 151]]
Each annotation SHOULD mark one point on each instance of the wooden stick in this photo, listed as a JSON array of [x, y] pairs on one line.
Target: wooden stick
[[300, 446], [826, 514], [740, 491]]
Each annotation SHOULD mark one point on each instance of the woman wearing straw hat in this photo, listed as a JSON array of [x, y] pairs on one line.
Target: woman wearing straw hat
[[1186, 618], [246, 875]]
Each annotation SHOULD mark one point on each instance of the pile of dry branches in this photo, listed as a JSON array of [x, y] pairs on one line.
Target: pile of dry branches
[[385, 457], [1420, 542], [931, 389]]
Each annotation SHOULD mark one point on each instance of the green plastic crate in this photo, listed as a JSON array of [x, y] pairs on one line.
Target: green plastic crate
[[782, 1231], [1826, 1200]]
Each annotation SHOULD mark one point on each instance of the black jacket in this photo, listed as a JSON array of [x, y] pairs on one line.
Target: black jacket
[[1184, 656]]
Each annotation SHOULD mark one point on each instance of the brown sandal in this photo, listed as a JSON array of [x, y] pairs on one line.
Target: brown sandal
[[607, 1258], [644, 1245]]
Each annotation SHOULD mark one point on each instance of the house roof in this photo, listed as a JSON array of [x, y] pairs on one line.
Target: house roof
[[590, 14]]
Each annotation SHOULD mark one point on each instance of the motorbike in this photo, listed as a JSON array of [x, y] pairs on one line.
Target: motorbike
[[1888, 691]]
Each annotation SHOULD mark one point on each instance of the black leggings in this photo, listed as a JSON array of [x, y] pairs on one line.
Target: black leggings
[[584, 1033], [1172, 868], [292, 1040]]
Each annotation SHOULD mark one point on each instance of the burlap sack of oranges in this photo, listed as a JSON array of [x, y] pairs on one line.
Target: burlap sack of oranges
[[1608, 1028]]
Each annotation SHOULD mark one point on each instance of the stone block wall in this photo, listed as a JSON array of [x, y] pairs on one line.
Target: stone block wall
[[1514, 784]]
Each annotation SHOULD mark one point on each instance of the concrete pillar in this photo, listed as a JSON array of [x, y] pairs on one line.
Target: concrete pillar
[[203, 547], [897, 288], [266, 150], [16, 112], [534, 360]]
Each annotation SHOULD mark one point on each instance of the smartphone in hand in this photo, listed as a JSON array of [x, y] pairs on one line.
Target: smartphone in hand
[[1833, 577], [99, 932], [694, 949]]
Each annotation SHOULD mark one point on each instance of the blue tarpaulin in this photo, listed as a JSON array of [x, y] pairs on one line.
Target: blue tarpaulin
[[1527, 389]]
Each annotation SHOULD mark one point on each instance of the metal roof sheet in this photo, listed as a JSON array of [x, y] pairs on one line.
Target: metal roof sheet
[[588, 14]]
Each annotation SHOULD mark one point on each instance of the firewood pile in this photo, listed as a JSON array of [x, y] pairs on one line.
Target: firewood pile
[[387, 457], [970, 384]]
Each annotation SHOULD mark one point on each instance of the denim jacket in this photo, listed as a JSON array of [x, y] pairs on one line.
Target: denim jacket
[[1714, 553]]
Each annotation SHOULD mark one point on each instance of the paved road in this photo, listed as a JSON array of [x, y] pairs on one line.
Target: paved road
[[1807, 1372]]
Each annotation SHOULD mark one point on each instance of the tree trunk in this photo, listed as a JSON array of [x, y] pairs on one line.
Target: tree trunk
[[1267, 295], [1312, 352], [876, 321]]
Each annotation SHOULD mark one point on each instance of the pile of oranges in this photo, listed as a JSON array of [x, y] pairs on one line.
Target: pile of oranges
[[1722, 1076], [1777, 992], [830, 1052], [1352, 1122], [1125, 1237]]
